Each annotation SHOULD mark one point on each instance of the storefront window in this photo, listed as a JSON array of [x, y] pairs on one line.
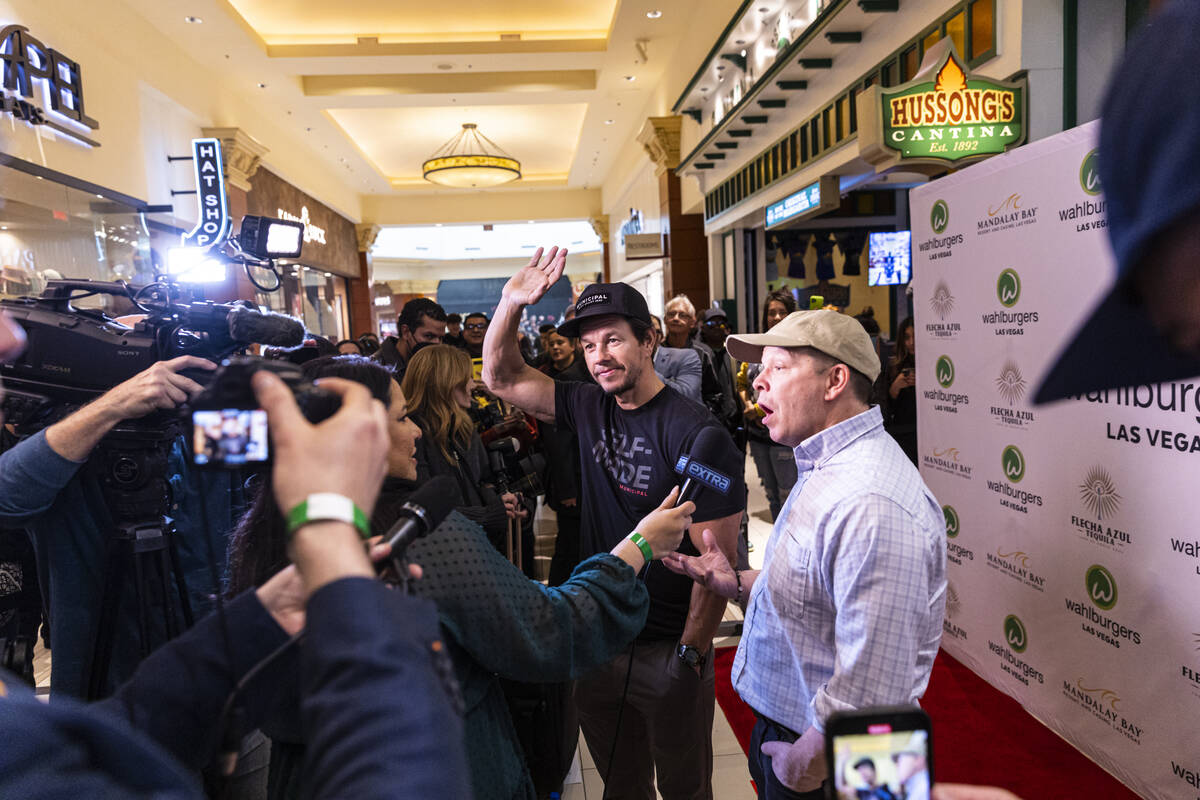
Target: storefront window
[[983, 28], [315, 297], [929, 41], [50, 231], [910, 60], [956, 29]]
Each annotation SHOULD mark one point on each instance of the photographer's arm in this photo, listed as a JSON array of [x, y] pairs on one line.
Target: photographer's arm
[[504, 369], [159, 387]]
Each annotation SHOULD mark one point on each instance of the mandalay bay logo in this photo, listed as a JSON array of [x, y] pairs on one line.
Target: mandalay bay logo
[[947, 460], [1104, 704], [939, 217], [1018, 565]]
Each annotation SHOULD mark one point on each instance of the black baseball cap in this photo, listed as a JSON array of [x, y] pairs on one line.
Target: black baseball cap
[[714, 313], [1148, 160], [606, 299]]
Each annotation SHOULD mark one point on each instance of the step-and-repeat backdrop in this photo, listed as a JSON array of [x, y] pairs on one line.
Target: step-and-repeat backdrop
[[1073, 529]]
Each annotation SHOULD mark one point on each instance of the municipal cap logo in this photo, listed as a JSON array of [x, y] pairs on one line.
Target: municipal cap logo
[[1089, 173], [1099, 493], [951, 521], [1013, 463], [1101, 587], [939, 216], [1014, 634], [1008, 288], [1011, 384], [945, 372], [591, 300]]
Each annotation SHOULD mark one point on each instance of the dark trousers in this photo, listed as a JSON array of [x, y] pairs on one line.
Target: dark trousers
[[769, 787], [666, 727]]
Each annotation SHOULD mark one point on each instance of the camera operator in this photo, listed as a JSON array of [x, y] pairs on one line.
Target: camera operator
[[498, 624], [372, 701], [45, 488]]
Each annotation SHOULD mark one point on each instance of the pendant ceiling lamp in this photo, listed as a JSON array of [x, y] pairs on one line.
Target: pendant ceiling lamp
[[471, 161]]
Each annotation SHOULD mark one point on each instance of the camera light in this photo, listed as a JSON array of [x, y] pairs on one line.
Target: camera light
[[263, 237], [194, 265], [283, 239]]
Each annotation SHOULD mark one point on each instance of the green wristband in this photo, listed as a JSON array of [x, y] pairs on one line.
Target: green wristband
[[328, 507], [642, 545]]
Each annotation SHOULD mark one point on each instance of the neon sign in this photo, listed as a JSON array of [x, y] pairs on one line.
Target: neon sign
[[213, 224], [26, 63]]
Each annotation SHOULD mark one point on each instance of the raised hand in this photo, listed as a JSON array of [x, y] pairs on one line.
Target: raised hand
[[663, 528], [711, 569], [535, 278]]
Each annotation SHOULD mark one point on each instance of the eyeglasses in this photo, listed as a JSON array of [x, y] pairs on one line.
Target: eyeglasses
[[476, 326], [716, 323]]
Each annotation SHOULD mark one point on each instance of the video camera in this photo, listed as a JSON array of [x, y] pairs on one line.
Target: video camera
[[513, 450]]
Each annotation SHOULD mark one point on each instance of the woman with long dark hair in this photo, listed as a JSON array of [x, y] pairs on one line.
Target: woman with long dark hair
[[496, 622], [776, 464], [901, 380]]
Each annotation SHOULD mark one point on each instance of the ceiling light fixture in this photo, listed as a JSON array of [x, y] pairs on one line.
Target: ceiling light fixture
[[262, 86], [653, 14], [193, 20], [470, 160], [609, 121]]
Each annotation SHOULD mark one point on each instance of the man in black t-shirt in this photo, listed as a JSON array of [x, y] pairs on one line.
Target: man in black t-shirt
[[632, 430]]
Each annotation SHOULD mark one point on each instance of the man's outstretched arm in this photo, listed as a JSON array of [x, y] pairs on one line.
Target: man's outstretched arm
[[504, 370]]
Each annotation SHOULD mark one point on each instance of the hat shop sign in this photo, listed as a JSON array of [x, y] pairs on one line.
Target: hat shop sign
[[31, 70], [941, 116]]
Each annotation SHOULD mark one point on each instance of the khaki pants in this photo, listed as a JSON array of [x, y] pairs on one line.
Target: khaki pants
[[666, 726]]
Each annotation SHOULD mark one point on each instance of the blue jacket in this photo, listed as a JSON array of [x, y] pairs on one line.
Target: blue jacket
[[681, 370], [378, 718], [63, 508]]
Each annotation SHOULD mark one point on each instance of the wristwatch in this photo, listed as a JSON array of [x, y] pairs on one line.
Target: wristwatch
[[689, 655]]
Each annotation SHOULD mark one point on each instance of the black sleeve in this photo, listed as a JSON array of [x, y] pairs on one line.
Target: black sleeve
[[566, 395], [710, 503], [379, 720], [176, 695]]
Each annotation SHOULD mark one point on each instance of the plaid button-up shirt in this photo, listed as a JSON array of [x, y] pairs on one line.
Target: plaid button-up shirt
[[847, 611]]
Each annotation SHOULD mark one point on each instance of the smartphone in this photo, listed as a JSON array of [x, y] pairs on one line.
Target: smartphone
[[230, 437], [908, 371], [882, 753]]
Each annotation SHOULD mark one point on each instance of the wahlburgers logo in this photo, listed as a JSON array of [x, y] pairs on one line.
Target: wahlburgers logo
[[1099, 493], [1089, 173], [1011, 384], [939, 216], [951, 521], [1101, 587], [945, 372], [1012, 461], [1008, 288], [1014, 634]]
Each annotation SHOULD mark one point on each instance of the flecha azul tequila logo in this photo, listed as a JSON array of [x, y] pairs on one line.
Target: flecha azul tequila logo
[[1098, 495], [1016, 642], [953, 610], [1087, 214], [1104, 704], [1011, 386], [942, 400], [1190, 674], [947, 460], [955, 552], [939, 246], [1018, 565], [1012, 212], [1012, 468], [1008, 292], [942, 304], [1101, 589]]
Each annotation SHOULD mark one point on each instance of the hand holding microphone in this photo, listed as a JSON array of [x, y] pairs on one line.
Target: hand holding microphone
[[664, 527]]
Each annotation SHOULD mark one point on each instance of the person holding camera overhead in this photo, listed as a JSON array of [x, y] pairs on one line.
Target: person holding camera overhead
[[498, 624], [46, 488]]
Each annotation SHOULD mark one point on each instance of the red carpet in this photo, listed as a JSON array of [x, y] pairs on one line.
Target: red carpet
[[980, 735]]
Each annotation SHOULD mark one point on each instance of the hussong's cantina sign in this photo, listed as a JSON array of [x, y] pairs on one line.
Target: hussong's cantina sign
[[943, 115]]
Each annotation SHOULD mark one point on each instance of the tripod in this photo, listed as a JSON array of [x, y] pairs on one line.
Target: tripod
[[131, 467]]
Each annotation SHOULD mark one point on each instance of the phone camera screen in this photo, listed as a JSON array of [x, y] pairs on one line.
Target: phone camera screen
[[230, 436], [882, 765]]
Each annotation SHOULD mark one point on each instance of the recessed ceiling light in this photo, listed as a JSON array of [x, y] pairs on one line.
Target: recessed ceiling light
[[530, 222], [609, 121], [100, 196], [704, 88], [720, 67], [653, 14], [743, 54], [445, 66], [192, 20], [262, 86], [740, 41], [3, 227], [328, 274], [630, 77], [764, 10]]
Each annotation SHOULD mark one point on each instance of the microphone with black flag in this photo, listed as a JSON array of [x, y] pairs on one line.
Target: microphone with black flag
[[696, 466], [424, 511]]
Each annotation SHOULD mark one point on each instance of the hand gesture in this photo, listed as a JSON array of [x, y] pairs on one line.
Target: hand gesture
[[663, 528], [159, 387], [711, 569], [531, 282], [513, 507]]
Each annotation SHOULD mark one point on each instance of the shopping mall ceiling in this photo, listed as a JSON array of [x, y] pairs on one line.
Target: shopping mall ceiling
[[376, 86]]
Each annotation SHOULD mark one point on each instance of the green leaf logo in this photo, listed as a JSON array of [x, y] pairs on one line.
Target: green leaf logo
[[1008, 288], [951, 521], [1013, 463], [1089, 173], [939, 216], [1014, 634], [945, 372], [1101, 587]]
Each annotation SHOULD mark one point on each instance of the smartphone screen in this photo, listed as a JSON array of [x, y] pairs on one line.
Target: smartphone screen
[[880, 755], [230, 436]]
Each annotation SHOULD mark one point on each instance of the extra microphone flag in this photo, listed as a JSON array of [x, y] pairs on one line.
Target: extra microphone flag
[[695, 466]]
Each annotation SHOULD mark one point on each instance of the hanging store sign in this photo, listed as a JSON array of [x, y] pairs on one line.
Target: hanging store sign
[[816, 198], [212, 224], [942, 115], [32, 71]]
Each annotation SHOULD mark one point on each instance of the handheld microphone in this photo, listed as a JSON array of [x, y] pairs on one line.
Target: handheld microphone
[[695, 466], [250, 325], [423, 512]]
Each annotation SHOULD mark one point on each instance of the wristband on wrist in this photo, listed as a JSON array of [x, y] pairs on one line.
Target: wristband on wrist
[[328, 507], [642, 545], [738, 574]]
